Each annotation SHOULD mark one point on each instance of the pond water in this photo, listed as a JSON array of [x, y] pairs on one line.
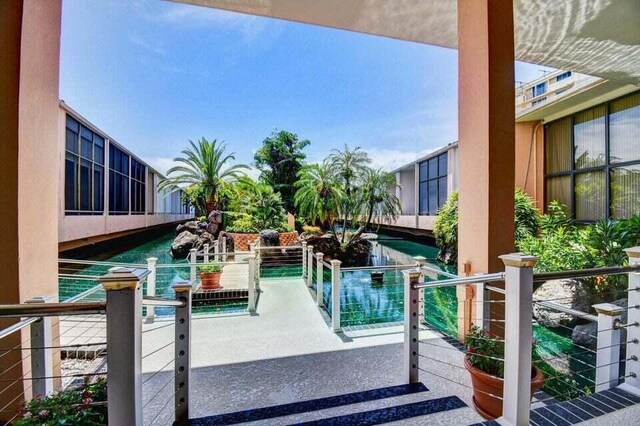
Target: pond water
[[363, 302]]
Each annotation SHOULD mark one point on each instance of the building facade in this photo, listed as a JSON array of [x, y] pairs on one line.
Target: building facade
[[106, 190], [577, 142]]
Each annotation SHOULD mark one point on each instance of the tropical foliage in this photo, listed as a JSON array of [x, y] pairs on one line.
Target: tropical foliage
[[255, 206], [204, 170], [85, 405], [345, 189], [279, 160]]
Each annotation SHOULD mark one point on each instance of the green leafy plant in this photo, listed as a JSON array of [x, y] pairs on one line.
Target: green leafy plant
[[527, 219], [311, 230], [485, 352], [82, 406], [210, 269]]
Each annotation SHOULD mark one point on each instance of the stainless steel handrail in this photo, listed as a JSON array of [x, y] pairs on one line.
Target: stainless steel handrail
[[374, 268], [84, 294], [560, 308], [52, 309], [487, 278], [103, 263], [439, 271], [160, 301], [17, 326], [581, 273]]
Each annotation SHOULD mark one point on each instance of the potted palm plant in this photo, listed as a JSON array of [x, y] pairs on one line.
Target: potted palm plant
[[210, 277], [485, 363]]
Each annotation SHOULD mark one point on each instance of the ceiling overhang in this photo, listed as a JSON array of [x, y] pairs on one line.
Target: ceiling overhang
[[596, 37]]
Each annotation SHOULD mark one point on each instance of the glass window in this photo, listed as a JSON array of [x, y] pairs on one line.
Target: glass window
[[559, 189], [589, 133], [564, 75], [84, 153], [590, 195], [558, 146], [118, 181], [625, 191], [137, 187], [624, 129], [423, 198], [433, 184]]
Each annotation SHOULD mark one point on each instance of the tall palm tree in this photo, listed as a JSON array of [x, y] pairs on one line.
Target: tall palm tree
[[319, 195], [375, 196], [348, 164], [205, 164]]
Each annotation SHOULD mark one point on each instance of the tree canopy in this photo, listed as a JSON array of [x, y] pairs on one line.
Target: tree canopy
[[279, 160]]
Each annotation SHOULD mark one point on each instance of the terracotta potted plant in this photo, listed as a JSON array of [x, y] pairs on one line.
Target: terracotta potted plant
[[210, 277], [484, 363]]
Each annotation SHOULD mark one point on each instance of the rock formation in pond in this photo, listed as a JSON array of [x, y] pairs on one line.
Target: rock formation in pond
[[194, 234], [215, 223], [356, 254], [568, 293], [182, 244], [269, 238]]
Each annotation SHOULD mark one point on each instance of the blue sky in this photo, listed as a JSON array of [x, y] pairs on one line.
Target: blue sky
[[155, 74]]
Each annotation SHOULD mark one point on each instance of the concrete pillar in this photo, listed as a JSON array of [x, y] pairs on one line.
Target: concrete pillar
[[30, 46], [124, 306], [486, 127], [518, 337]]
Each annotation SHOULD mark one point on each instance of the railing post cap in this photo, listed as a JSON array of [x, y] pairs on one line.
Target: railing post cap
[[335, 262], [413, 274], [319, 255], [193, 249], [152, 260], [304, 243], [633, 251], [608, 309], [309, 247], [420, 259], [519, 260], [120, 278], [182, 286], [39, 299]]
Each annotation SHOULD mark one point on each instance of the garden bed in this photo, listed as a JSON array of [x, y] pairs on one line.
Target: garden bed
[[243, 240]]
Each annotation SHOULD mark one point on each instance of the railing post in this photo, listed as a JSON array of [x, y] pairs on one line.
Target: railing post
[[216, 250], [335, 295], [608, 353], [309, 266], [251, 304], [151, 285], [205, 248], [182, 370], [124, 304], [411, 326], [252, 247], [632, 366], [193, 254], [223, 249], [319, 279], [41, 353], [420, 262], [482, 309], [304, 259], [518, 336]]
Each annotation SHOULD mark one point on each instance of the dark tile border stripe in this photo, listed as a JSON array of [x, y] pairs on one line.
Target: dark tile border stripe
[[309, 405], [391, 414]]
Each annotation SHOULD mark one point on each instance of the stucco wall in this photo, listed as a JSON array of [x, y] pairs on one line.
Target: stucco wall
[[407, 191], [530, 160]]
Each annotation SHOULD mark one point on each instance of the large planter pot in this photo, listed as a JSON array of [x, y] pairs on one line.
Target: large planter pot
[[485, 386], [210, 280]]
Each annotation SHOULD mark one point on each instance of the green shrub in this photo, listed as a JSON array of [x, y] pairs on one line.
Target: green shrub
[[285, 227], [202, 218], [311, 230], [527, 219], [210, 269], [242, 223], [84, 405], [484, 352]]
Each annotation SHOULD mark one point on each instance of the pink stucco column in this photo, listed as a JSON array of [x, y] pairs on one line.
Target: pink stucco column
[[30, 46], [487, 137]]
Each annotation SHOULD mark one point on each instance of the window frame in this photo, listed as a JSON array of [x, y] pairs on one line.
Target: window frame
[[439, 175], [607, 167]]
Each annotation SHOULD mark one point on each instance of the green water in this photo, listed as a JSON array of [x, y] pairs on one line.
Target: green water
[[169, 272]]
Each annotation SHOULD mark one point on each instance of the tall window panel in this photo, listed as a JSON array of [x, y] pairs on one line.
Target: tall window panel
[[84, 170], [600, 176], [118, 181], [138, 178], [432, 189]]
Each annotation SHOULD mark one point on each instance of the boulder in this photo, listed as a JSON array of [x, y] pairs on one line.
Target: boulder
[[184, 242], [230, 242], [269, 238], [204, 238], [214, 225], [585, 335], [191, 227], [569, 293]]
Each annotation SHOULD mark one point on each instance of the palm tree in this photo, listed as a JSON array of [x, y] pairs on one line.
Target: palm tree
[[348, 165], [204, 164], [319, 195], [375, 196]]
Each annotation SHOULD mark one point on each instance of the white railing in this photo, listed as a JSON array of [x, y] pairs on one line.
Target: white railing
[[516, 328]]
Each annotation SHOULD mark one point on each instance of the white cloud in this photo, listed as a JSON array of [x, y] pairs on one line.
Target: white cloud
[[390, 159], [147, 45]]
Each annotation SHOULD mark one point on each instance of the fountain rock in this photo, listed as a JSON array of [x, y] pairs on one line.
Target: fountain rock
[[269, 238], [191, 227], [569, 293], [184, 242]]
